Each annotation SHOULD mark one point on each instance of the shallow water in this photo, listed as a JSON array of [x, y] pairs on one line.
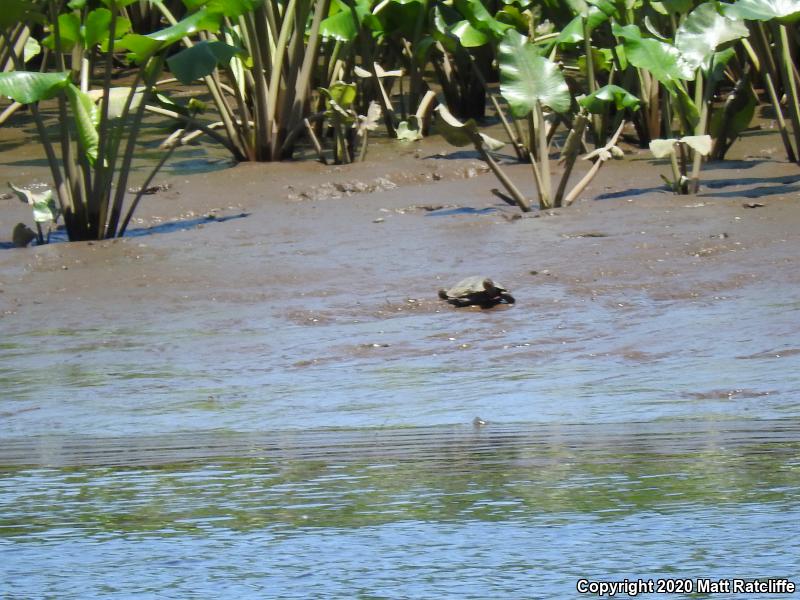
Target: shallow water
[[413, 513], [578, 362], [310, 463]]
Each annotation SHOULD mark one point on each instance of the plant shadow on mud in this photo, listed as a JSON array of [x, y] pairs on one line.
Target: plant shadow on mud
[[461, 210], [783, 186], [60, 235]]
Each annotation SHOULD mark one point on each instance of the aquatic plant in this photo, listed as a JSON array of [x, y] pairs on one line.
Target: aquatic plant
[[17, 46], [262, 92], [350, 130], [774, 55], [531, 83], [678, 152], [45, 212], [698, 54], [90, 158]]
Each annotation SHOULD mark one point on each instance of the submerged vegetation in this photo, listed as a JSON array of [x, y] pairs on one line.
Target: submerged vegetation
[[681, 77]]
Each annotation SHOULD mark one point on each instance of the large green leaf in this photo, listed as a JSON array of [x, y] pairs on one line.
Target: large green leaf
[[340, 26], [144, 46], [680, 7], [98, 27], [705, 30], [26, 87], [664, 61], [86, 117], [480, 18], [200, 60], [597, 102], [230, 8], [19, 11], [787, 11], [527, 78], [69, 32], [112, 4], [579, 7], [572, 33], [451, 30], [595, 16], [511, 15], [717, 65], [340, 93], [141, 46], [203, 20], [398, 18], [469, 36]]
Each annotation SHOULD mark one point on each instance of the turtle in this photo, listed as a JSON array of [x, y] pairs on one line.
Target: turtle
[[480, 291]]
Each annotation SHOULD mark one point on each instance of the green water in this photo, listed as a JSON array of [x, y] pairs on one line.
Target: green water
[[400, 513]]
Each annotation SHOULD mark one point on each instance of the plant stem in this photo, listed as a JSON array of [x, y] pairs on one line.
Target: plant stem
[[152, 70], [511, 136], [414, 72], [570, 155], [545, 192], [676, 172], [521, 200], [701, 99], [776, 106], [791, 86], [587, 48], [315, 141], [587, 179], [304, 76]]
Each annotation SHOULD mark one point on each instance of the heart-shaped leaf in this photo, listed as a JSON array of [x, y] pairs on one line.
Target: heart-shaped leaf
[[664, 61], [699, 143], [527, 78], [197, 61], [663, 148], [26, 86], [597, 101], [786, 11], [44, 205], [705, 30]]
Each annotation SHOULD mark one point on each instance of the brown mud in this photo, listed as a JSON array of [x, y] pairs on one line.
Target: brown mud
[[381, 237]]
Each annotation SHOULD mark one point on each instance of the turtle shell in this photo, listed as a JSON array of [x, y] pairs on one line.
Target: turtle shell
[[471, 286], [480, 291]]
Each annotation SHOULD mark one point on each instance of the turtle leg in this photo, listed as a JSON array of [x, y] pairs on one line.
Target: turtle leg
[[507, 297]]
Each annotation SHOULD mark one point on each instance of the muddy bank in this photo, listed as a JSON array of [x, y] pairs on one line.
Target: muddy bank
[[413, 218]]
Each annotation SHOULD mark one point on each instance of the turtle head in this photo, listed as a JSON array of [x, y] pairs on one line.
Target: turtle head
[[488, 285]]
